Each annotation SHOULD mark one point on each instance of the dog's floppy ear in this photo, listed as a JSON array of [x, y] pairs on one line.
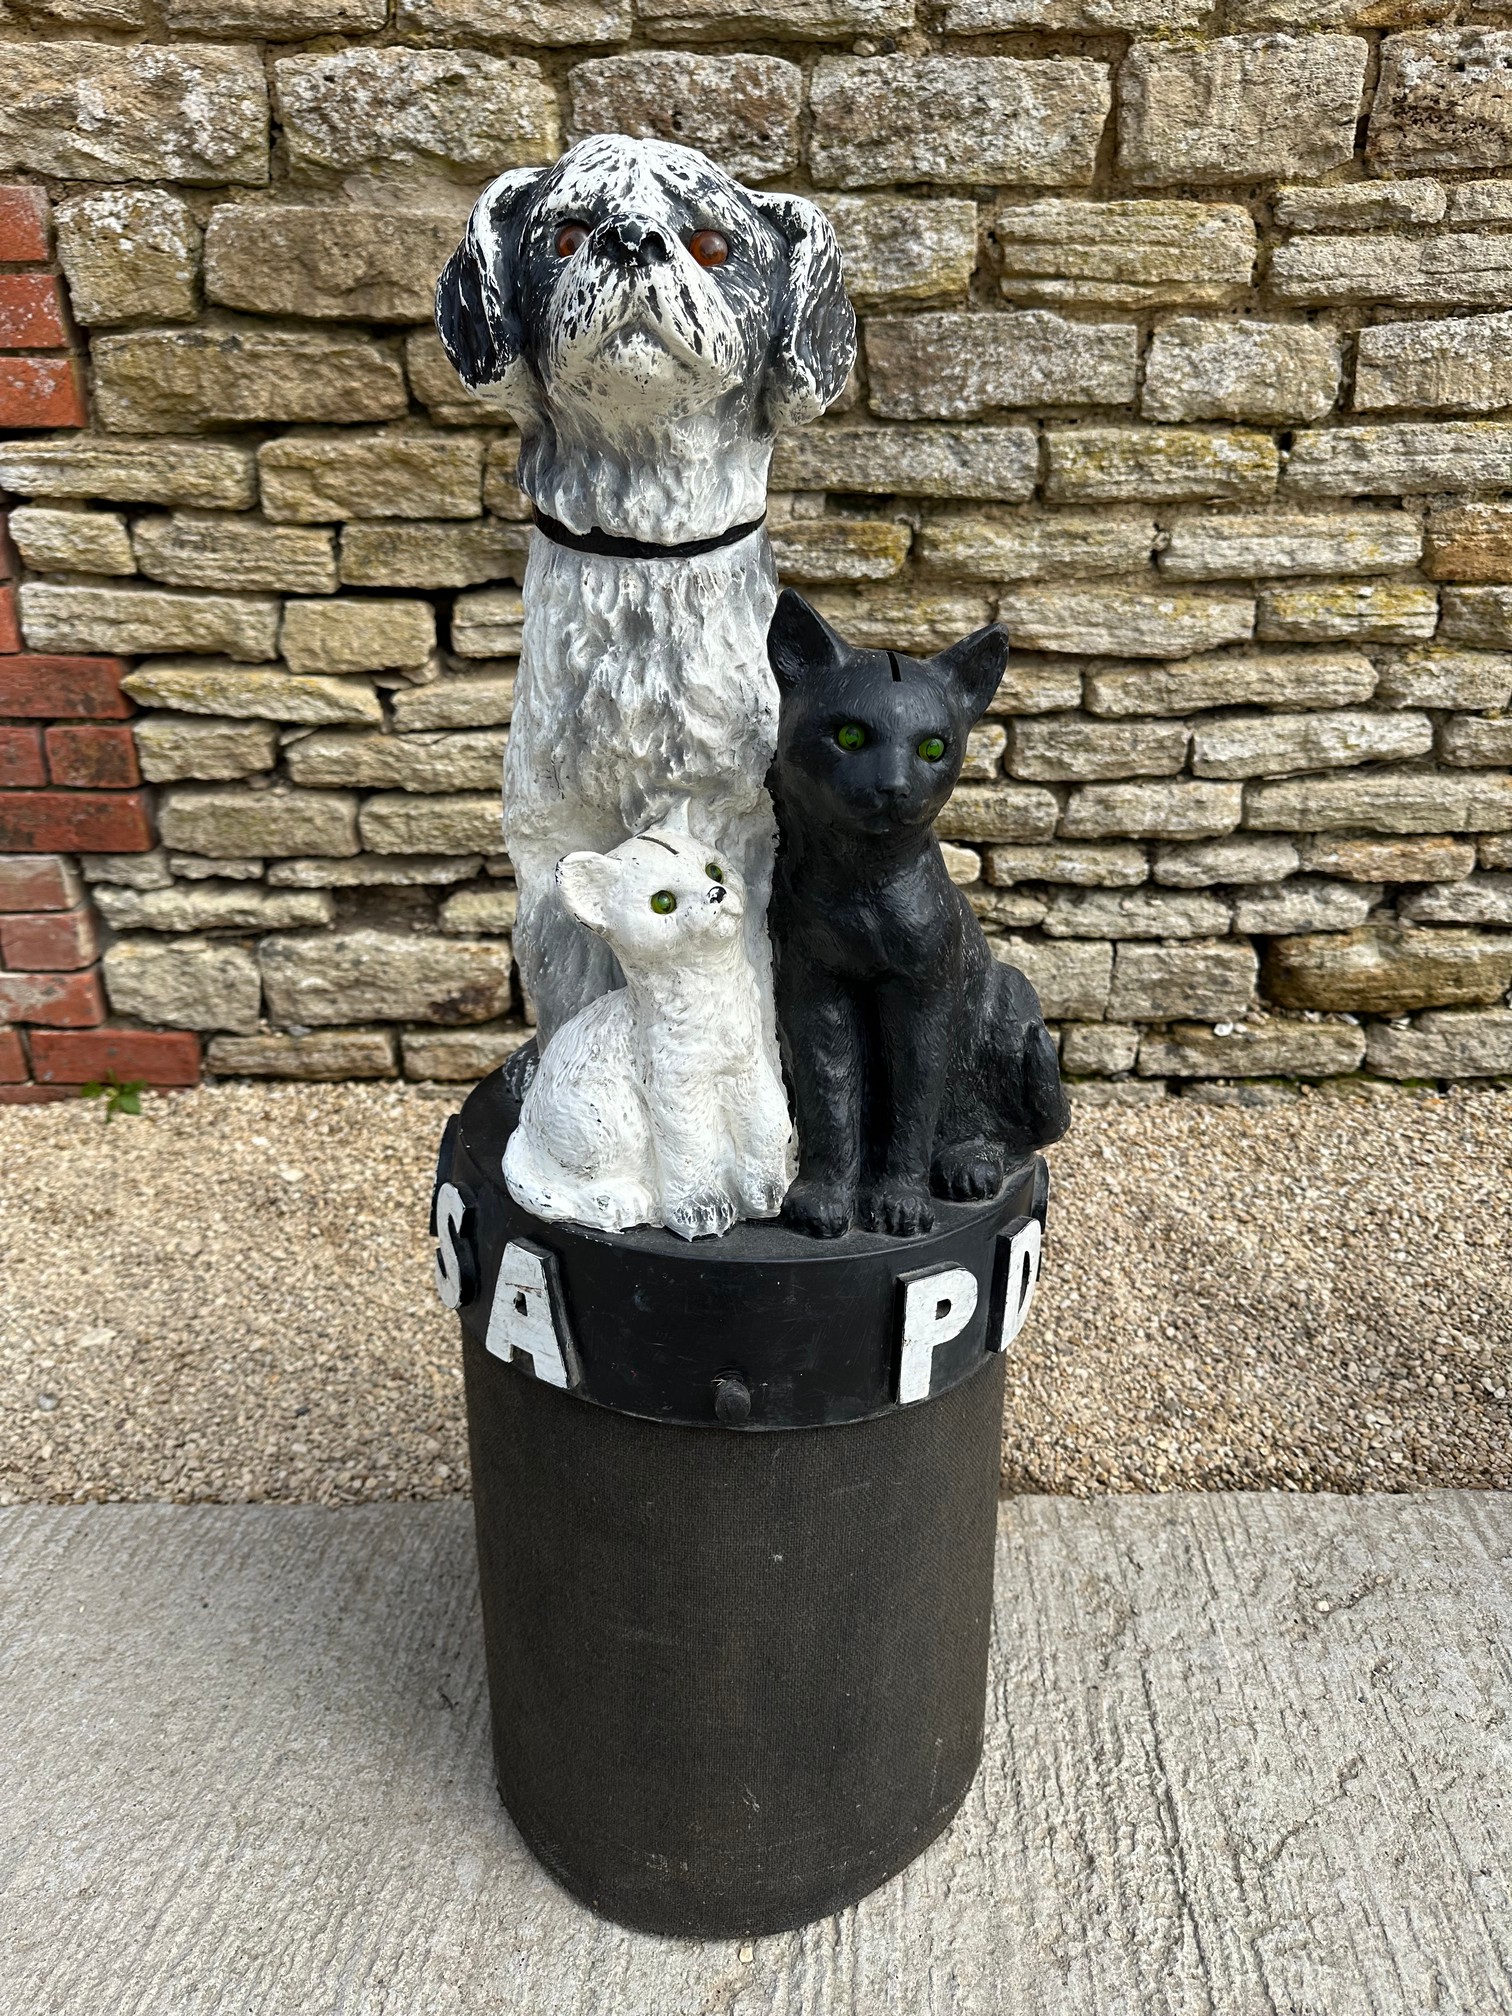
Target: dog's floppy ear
[[476, 315], [814, 325], [588, 883], [800, 642]]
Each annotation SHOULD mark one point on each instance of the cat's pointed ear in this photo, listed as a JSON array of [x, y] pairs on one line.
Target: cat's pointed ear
[[588, 883], [800, 644], [674, 820], [975, 666]]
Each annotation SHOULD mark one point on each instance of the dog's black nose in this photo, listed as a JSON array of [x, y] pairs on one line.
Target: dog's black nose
[[629, 243]]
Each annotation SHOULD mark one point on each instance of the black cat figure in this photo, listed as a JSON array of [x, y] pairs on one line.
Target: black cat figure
[[918, 1062]]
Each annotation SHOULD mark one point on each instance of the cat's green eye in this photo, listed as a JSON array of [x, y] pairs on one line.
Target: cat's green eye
[[664, 902], [713, 870], [932, 748], [851, 736]]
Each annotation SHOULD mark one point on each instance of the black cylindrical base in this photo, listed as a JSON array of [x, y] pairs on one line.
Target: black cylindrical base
[[737, 1679]]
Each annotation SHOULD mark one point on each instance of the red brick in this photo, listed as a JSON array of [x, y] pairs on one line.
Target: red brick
[[61, 1000], [36, 1095], [74, 822], [21, 764], [161, 1056], [40, 392], [23, 223], [12, 1058], [31, 312], [37, 882], [92, 759], [10, 622], [56, 941], [40, 687]]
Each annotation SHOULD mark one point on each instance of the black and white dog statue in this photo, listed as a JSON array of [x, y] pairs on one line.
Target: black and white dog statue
[[649, 323]]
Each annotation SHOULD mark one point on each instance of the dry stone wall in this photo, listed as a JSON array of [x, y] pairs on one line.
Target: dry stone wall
[[1185, 353]]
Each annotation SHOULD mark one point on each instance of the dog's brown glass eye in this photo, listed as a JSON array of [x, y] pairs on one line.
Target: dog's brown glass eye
[[664, 902], [570, 237], [709, 248]]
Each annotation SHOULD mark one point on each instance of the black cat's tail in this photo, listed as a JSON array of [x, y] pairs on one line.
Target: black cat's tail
[[1047, 1110]]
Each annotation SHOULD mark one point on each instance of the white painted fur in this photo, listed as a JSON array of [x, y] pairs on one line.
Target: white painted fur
[[657, 1104]]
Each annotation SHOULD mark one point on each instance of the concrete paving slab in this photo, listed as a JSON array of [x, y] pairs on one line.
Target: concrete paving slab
[[1247, 1756]]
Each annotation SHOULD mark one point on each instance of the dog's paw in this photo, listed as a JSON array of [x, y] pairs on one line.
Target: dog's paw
[[897, 1207], [761, 1195], [701, 1214], [967, 1172], [822, 1210]]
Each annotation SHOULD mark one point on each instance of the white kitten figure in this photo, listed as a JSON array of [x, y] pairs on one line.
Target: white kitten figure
[[657, 1104]]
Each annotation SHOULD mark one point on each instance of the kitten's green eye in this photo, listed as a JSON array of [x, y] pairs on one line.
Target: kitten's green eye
[[664, 902], [713, 870], [851, 736], [932, 748]]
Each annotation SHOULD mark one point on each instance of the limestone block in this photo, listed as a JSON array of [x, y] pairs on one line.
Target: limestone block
[[1467, 740], [1082, 865], [1435, 858], [897, 250], [170, 749], [1239, 108], [400, 822], [1154, 983], [215, 906], [1136, 913], [316, 478], [72, 542], [132, 620], [1123, 254], [1243, 858], [1469, 542], [442, 554], [460, 1056], [1474, 899], [1444, 1043], [1269, 679], [1478, 680], [1358, 206], [1204, 546], [1133, 622], [962, 864], [1495, 852], [438, 388], [969, 119], [1059, 748], [338, 1054], [1170, 810], [436, 762], [840, 549], [413, 110], [1330, 612], [918, 618], [357, 635], [1074, 543], [491, 909], [984, 752], [488, 623], [1478, 616], [353, 265], [81, 13], [161, 381], [183, 983], [376, 871], [1037, 685], [1264, 371], [951, 366], [1388, 969], [1101, 1049], [218, 686], [998, 812], [362, 975], [98, 112], [1451, 269], [128, 871], [200, 868], [201, 549], [1305, 903], [964, 462], [1408, 457], [1096, 465], [481, 701], [502, 494], [274, 20], [790, 20], [1007, 909], [1462, 364], [1443, 101], [1309, 15], [742, 110], [547, 23], [128, 253], [210, 473], [1096, 17], [1263, 1047], [1071, 977], [1390, 801], [1269, 745], [260, 824]]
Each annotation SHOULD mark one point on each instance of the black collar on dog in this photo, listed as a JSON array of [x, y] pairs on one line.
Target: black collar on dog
[[613, 547]]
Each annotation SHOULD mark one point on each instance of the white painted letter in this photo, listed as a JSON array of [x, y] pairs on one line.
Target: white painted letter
[[1022, 1267], [522, 1317], [453, 1260], [936, 1307]]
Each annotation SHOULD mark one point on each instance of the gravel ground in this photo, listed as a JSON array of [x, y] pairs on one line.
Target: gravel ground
[[229, 1298]]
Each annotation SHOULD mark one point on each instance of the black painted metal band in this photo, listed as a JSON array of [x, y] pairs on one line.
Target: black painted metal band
[[612, 547]]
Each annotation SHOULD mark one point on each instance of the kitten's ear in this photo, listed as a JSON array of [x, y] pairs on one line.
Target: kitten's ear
[[589, 884], [975, 666], [800, 644]]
